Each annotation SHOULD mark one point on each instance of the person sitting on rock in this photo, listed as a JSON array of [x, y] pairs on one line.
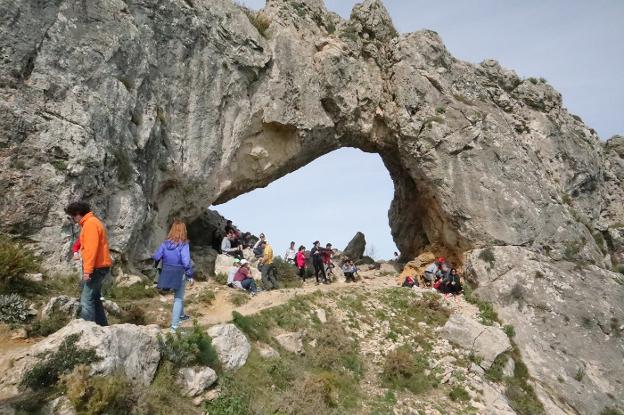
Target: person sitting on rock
[[232, 271], [451, 284], [257, 248], [433, 271], [290, 254], [244, 279], [300, 262], [349, 270], [227, 249]]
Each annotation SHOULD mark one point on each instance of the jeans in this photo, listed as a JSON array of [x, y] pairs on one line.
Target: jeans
[[249, 284], [178, 305], [268, 276], [91, 308]]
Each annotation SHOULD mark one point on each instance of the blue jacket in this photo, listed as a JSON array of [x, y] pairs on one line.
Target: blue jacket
[[175, 254]]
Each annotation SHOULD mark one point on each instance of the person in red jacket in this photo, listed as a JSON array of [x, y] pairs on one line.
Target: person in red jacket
[[300, 262], [327, 261], [96, 261]]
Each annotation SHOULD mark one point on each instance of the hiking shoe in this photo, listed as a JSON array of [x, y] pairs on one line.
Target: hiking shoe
[[184, 317]]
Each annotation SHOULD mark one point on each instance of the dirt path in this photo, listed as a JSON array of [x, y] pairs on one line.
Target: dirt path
[[221, 309]]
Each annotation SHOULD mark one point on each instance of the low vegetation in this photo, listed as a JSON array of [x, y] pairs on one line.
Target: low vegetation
[[188, 348], [49, 325], [15, 262], [13, 309]]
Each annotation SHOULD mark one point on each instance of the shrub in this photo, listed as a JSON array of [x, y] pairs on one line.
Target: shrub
[[13, 309], [259, 20], [487, 314], [133, 292], [100, 394], [509, 330], [405, 370], [336, 350], [239, 298], [487, 255], [533, 80], [205, 296], [47, 326], [133, 314], [162, 398], [254, 328], [189, 348], [47, 371], [580, 373], [458, 393], [286, 273], [611, 411], [15, 261], [440, 110], [221, 278]]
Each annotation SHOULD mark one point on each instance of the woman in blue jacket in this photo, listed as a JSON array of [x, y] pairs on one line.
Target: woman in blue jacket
[[176, 268]]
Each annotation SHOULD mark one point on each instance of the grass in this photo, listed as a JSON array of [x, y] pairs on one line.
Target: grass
[[238, 298], [404, 369], [255, 328], [133, 292], [259, 20], [580, 374], [458, 393], [221, 278], [509, 330], [16, 261], [60, 165], [205, 297], [611, 411], [47, 326], [98, 394]]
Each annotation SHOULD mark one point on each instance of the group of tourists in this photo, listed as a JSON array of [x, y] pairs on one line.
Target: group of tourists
[[176, 268], [439, 275]]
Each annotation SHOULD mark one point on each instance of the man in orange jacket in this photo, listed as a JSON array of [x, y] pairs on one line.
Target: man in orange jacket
[[96, 261]]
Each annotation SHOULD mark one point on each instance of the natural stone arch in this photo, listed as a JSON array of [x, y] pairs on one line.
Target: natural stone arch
[[194, 105]]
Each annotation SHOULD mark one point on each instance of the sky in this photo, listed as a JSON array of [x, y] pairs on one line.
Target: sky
[[577, 45]]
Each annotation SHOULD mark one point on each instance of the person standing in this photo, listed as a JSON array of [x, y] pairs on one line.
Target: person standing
[[290, 254], [96, 261], [300, 262], [266, 266], [327, 254], [175, 255], [317, 262]]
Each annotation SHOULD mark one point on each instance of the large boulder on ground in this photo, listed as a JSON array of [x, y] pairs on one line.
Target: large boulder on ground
[[195, 380], [127, 280], [61, 304], [416, 267], [355, 248], [568, 319], [485, 341], [121, 347], [231, 345], [223, 263]]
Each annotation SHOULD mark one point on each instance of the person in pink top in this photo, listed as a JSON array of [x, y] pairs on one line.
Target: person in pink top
[[300, 260]]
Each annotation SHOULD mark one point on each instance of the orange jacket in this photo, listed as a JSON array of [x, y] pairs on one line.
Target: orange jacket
[[94, 244]]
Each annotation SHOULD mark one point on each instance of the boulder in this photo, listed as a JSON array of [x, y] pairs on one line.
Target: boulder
[[231, 345], [195, 380], [387, 268], [321, 315], [35, 277], [59, 406], [61, 304], [111, 307], [355, 248], [485, 341], [266, 351], [127, 280], [121, 347], [223, 263], [291, 342]]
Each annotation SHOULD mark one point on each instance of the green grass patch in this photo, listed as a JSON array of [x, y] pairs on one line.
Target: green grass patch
[[133, 292], [49, 325], [459, 394], [404, 369], [15, 261], [188, 348], [239, 298]]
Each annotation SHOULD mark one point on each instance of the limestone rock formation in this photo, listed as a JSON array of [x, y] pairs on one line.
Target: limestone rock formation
[[152, 110], [231, 345], [569, 322], [355, 248], [195, 380], [122, 347]]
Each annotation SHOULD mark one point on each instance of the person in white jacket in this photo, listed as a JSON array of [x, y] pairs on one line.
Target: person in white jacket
[[289, 256]]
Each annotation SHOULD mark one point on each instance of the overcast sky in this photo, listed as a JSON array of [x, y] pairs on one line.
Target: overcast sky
[[577, 45]]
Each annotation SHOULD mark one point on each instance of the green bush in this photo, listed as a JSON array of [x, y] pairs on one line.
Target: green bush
[[188, 348], [239, 298], [254, 328], [47, 326], [404, 369], [221, 278], [336, 350], [458, 393], [509, 330], [162, 398], [133, 292], [13, 309], [286, 274], [15, 261], [47, 371], [487, 255], [111, 395]]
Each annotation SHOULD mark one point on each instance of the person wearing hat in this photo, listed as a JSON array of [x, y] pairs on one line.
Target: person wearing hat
[[317, 262], [232, 271], [244, 278]]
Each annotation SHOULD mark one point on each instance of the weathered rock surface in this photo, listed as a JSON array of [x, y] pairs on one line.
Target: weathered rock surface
[[566, 317], [121, 347], [485, 341], [62, 304], [146, 135], [291, 342], [267, 352], [356, 246], [231, 345], [195, 380]]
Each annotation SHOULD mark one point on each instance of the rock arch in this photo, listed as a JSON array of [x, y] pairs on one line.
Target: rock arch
[[167, 108]]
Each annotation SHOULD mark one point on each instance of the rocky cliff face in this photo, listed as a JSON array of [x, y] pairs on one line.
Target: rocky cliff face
[[158, 109]]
